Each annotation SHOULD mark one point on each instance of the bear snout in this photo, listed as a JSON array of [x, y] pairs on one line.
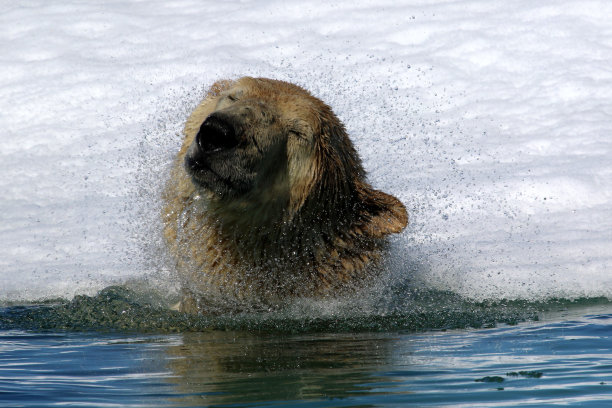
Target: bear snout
[[216, 134]]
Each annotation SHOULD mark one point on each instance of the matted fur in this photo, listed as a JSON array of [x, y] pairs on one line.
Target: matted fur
[[279, 209]]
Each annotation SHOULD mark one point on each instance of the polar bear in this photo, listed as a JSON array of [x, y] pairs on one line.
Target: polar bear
[[268, 200]]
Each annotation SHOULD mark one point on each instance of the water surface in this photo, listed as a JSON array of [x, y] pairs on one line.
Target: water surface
[[528, 355]]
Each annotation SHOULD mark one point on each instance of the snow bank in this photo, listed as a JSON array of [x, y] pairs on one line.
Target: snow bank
[[490, 120]]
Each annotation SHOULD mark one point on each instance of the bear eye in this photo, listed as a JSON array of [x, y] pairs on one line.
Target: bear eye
[[234, 94], [298, 134], [300, 130]]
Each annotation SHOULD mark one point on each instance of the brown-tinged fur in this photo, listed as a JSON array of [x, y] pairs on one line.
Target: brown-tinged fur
[[267, 199]]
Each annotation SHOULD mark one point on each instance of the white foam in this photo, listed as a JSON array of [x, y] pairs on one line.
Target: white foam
[[491, 121]]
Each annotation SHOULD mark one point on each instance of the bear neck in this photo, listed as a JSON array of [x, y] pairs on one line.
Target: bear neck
[[266, 235]]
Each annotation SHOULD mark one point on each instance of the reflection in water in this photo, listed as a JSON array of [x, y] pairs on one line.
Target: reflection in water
[[566, 360], [223, 367], [307, 351]]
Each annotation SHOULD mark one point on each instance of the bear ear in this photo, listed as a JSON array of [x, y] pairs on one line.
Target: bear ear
[[382, 213]]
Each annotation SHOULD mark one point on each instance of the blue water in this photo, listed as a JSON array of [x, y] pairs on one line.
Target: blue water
[[562, 356]]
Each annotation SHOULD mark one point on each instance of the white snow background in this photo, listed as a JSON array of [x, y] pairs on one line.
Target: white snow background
[[491, 121]]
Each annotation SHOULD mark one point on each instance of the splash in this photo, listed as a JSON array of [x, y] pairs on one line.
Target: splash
[[119, 308]]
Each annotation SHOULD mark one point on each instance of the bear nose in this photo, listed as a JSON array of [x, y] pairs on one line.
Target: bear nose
[[216, 134]]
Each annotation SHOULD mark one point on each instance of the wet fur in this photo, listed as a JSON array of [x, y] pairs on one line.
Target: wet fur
[[287, 213]]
